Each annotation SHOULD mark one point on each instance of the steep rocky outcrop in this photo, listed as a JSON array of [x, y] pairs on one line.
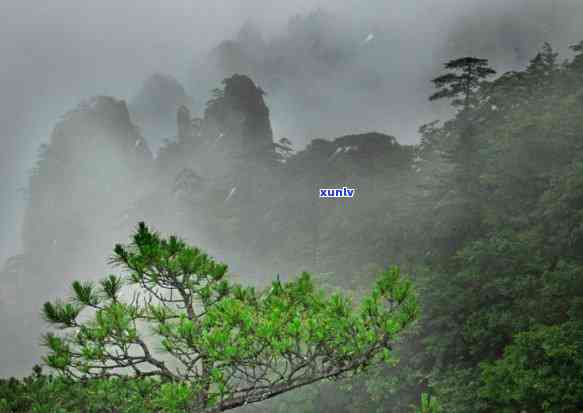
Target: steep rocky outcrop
[[85, 177], [95, 165], [239, 113]]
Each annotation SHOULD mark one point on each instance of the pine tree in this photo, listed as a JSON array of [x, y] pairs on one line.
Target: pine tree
[[221, 345], [460, 85], [462, 80]]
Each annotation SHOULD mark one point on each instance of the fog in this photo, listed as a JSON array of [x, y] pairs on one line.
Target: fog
[[55, 54]]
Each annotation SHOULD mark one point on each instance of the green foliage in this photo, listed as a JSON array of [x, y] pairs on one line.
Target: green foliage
[[175, 397], [464, 78], [221, 345], [497, 326], [41, 393], [428, 404], [542, 370]]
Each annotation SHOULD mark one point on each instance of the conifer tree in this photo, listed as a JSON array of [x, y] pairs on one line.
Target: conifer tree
[[460, 84], [219, 344], [462, 80]]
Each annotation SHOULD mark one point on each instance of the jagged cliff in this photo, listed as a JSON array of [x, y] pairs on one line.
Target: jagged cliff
[[85, 177], [93, 167]]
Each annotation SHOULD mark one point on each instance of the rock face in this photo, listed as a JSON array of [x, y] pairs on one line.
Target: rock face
[[234, 134], [240, 114], [85, 175], [185, 125], [94, 166]]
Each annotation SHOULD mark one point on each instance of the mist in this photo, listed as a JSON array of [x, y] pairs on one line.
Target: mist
[[57, 54]]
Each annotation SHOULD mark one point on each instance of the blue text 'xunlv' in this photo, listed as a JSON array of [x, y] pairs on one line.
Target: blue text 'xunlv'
[[337, 192]]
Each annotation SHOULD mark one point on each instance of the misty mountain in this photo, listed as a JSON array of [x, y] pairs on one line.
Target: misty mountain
[[326, 75], [88, 173], [58, 57], [95, 165], [484, 212], [310, 71], [154, 107]]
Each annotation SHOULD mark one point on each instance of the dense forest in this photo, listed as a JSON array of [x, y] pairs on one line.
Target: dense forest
[[484, 219]]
